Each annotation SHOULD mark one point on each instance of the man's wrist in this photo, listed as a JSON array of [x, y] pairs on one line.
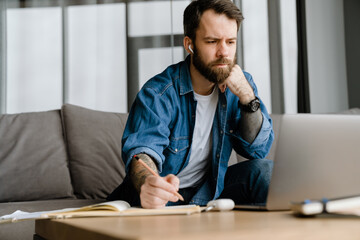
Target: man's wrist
[[246, 99], [138, 173], [251, 107]]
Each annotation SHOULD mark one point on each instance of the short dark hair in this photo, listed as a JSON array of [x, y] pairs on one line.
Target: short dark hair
[[196, 8]]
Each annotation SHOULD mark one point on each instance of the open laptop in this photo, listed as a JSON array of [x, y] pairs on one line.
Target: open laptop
[[317, 156]]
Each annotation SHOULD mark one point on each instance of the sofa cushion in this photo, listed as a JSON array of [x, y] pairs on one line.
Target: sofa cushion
[[33, 160], [94, 148]]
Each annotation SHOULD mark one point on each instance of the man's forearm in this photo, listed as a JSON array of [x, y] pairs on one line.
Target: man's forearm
[[250, 125], [138, 172]]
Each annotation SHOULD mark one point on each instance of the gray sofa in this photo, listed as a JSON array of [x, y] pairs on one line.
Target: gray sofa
[[57, 159], [62, 158]]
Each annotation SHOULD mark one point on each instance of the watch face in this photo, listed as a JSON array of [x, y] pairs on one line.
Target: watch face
[[254, 105]]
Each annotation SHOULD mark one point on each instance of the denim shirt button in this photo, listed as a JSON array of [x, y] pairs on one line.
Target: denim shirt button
[[176, 150], [231, 131], [221, 132], [217, 155], [223, 105]]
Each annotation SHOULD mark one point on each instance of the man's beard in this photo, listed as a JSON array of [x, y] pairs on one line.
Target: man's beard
[[215, 75]]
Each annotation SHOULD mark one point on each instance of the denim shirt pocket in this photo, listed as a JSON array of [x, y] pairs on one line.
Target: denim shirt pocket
[[176, 155], [178, 145]]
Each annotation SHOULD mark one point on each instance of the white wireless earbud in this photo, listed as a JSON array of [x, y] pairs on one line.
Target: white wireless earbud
[[191, 49]]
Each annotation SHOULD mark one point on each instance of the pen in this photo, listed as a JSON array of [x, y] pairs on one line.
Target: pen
[[155, 174]]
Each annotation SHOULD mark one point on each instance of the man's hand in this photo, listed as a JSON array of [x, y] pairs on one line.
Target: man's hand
[[238, 85], [157, 191], [154, 191], [250, 123]]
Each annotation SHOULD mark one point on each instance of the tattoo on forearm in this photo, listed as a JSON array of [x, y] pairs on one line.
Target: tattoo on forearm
[[250, 124], [138, 173]]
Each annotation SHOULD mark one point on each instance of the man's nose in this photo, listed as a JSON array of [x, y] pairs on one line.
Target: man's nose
[[223, 50]]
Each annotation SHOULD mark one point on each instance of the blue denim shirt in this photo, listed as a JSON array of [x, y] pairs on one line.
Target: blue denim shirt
[[161, 124]]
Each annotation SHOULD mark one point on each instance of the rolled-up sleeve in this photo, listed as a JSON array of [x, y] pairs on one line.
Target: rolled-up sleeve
[[260, 147]]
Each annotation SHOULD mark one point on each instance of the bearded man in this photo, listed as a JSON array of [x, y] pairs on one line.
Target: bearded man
[[186, 120]]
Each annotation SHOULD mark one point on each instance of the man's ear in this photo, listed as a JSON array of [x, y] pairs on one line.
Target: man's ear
[[188, 45]]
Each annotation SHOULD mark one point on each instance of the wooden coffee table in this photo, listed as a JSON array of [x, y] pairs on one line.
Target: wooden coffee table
[[210, 225]]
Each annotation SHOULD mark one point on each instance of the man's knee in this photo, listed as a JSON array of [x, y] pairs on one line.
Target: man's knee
[[247, 182], [260, 180], [264, 167]]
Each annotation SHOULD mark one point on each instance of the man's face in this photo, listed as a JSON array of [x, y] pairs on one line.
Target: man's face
[[215, 46]]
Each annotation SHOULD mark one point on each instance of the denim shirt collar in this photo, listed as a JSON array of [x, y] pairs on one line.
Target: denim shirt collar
[[185, 83]]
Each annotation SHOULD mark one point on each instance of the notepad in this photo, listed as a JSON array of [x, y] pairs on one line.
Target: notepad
[[106, 209]]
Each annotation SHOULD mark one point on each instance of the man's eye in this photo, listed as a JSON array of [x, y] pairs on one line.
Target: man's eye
[[211, 41]]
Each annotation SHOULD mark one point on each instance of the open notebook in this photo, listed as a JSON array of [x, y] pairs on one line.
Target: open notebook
[[106, 209]]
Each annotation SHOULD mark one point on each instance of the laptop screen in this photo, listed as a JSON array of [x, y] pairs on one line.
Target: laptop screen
[[317, 156]]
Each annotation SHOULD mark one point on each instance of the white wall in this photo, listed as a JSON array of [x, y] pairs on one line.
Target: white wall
[[256, 46], [97, 72], [154, 18], [96, 56], [34, 62], [164, 57], [326, 56]]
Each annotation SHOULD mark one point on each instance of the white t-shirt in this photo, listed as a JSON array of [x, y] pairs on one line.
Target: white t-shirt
[[200, 155]]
